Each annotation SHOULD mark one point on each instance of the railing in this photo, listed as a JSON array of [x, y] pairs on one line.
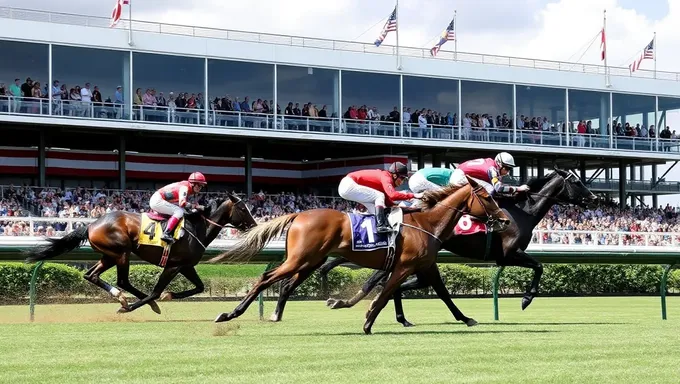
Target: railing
[[299, 41], [323, 125], [56, 227]]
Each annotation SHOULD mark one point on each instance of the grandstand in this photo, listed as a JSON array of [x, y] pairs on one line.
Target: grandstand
[[98, 135]]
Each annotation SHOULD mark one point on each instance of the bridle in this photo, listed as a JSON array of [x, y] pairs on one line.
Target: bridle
[[238, 201], [570, 174]]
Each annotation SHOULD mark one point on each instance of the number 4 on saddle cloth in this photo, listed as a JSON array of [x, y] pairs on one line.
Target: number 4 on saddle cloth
[[152, 226]]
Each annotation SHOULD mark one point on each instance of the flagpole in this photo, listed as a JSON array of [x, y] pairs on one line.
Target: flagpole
[[130, 23], [656, 51], [455, 34], [398, 25], [604, 32]]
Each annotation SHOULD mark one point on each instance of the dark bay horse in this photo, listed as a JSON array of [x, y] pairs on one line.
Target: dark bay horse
[[116, 235], [507, 247], [316, 233]]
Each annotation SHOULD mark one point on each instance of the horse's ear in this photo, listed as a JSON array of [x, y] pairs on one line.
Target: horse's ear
[[234, 199]]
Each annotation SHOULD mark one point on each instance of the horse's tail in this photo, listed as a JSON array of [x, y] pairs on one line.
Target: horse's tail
[[255, 239], [57, 247]]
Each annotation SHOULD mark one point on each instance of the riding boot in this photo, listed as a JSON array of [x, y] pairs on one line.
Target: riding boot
[[381, 220], [169, 230]]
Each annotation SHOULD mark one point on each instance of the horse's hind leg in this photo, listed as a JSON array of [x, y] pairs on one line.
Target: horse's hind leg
[[123, 272], [164, 280], [93, 276], [368, 286], [434, 278], [521, 259], [285, 270], [289, 288]]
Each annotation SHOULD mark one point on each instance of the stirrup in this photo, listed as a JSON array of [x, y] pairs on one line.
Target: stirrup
[[384, 229], [167, 237]]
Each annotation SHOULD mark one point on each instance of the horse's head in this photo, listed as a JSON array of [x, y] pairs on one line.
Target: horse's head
[[232, 211], [573, 190], [482, 205], [471, 199]]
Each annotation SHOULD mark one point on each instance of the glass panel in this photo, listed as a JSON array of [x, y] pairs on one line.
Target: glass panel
[[487, 111], [632, 121], [309, 92], [589, 119], [436, 100], [541, 115], [90, 82], [242, 94], [168, 88], [669, 115], [25, 65], [370, 103]]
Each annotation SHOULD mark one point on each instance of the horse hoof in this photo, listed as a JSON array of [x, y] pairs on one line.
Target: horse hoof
[[471, 322], [122, 300], [367, 329], [526, 301], [406, 324], [155, 307], [222, 317], [274, 317], [123, 309], [166, 296]]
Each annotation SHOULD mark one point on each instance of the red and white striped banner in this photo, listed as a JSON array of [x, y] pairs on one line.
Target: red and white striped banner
[[104, 165]]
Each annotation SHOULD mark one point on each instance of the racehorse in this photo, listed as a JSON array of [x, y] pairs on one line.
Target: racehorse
[[507, 248], [118, 234], [315, 233]]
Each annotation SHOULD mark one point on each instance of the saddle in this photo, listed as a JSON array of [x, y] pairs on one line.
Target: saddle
[[152, 226]]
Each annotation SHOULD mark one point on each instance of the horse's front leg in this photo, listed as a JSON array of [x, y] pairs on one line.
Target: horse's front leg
[[522, 259]]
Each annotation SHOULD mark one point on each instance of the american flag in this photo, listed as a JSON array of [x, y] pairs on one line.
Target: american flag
[[390, 26], [647, 53], [118, 11], [448, 34]]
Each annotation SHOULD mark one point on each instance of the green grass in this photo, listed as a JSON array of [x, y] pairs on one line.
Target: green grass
[[208, 271], [556, 340]]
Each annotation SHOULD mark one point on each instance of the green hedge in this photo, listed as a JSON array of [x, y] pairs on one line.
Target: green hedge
[[58, 280]]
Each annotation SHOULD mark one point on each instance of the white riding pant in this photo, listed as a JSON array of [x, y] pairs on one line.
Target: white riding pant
[[458, 179], [162, 206], [419, 184], [369, 197]]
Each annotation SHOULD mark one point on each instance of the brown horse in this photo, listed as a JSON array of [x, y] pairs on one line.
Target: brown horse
[[317, 232], [116, 235]]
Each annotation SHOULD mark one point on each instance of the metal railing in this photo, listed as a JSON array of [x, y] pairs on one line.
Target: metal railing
[[309, 42], [56, 227], [324, 125]]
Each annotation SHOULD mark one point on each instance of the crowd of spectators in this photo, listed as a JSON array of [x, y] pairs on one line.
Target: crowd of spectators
[[421, 122], [604, 225]]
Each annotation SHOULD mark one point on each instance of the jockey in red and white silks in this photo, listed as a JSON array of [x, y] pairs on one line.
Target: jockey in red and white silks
[[375, 189], [172, 200]]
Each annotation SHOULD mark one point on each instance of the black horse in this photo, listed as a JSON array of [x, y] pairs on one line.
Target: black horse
[[506, 248], [116, 235]]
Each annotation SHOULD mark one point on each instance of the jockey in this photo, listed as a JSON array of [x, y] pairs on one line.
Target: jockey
[[375, 189], [172, 200], [488, 172], [430, 179]]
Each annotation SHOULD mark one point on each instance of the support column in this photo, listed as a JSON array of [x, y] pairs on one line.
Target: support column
[[249, 170], [622, 184], [582, 171], [633, 201], [121, 164], [604, 114], [436, 160], [421, 160], [655, 197], [128, 92], [540, 168], [337, 94], [42, 163], [523, 174]]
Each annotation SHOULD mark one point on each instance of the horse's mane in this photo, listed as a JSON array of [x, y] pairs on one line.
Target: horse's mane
[[537, 183], [431, 198]]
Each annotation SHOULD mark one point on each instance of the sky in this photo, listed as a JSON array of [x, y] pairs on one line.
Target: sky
[[542, 29]]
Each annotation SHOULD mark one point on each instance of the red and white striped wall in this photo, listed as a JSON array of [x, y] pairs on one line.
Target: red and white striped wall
[[100, 165]]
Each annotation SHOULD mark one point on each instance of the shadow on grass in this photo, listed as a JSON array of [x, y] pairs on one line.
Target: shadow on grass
[[415, 332]]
